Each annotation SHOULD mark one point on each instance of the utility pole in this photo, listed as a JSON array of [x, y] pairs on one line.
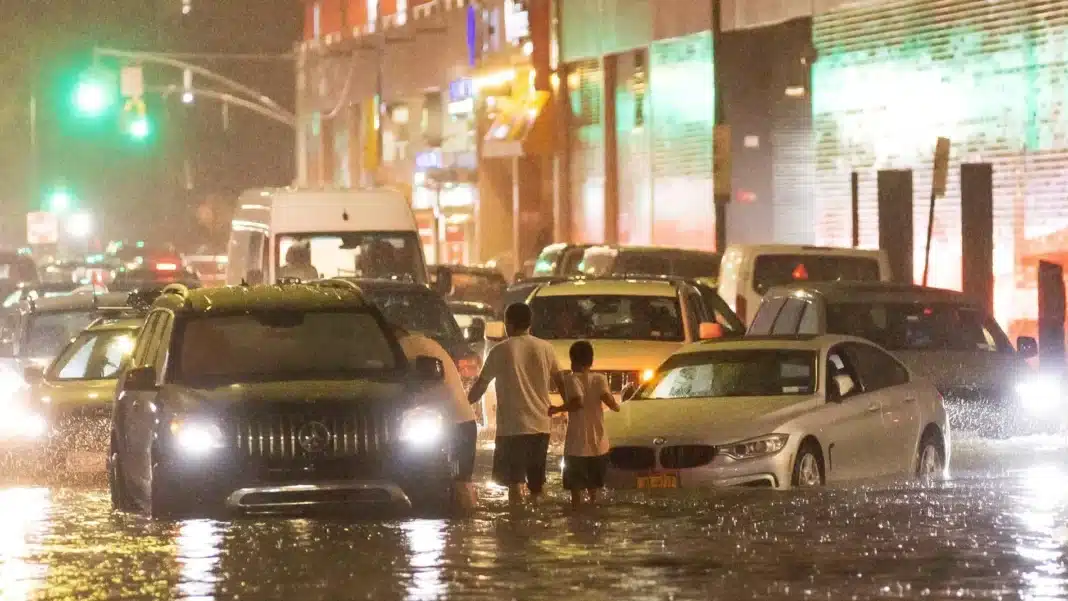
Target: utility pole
[[721, 143]]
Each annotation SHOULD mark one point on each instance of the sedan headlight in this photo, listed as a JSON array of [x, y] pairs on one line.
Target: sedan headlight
[[422, 427], [1039, 393], [22, 424], [761, 446], [11, 384], [196, 437]]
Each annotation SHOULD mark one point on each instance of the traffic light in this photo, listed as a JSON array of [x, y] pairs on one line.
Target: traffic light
[[135, 119], [93, 97], [60, 200], [139, 128]]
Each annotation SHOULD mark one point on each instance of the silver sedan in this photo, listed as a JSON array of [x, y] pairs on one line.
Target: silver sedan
[[777, 412]]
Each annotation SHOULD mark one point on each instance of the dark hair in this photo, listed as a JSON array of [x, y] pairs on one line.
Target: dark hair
[[518, 316], [581, 354]]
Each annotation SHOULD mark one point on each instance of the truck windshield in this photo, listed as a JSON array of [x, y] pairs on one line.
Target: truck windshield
[[372, 255]]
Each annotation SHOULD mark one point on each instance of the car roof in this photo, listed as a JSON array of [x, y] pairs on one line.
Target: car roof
[[372, 285], [122, 323], [79, 301], [226, 299], [472, 269], [636, 286], [470, 306], [772, 249], [862, 292], [810, 342], [662, 250]]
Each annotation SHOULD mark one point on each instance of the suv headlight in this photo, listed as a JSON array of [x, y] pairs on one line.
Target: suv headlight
[[196, 436], [761, 446], [422, 427], [17, 423], [1039, 393]]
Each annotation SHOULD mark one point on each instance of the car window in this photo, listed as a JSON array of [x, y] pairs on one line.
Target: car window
[[607, 317], [95, 356], [569, 263], [734, 373], [419, 311], [876, 369], [696, 266], [841, 379], [790, 316], [545, 264], [715, 309], [765, 317], [695, 312], [777, 270], [639, 263], [810, 320], [599, 261], [915, 326], [13, 299], [477, 287]]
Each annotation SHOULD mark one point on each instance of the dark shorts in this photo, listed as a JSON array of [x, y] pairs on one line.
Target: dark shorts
[[521, 458], [581, 473], [464, 441]]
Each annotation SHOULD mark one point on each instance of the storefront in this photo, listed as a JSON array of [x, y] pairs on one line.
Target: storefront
[[444, 200]]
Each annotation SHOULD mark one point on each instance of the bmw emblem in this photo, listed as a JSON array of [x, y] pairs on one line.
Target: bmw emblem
[[659, 441], [314, 437]]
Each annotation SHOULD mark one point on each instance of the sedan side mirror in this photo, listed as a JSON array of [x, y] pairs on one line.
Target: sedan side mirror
[[429, 369], [139, 379], [1027, 347], [710, 330], [495, 330], [476, 332], [33, 374]]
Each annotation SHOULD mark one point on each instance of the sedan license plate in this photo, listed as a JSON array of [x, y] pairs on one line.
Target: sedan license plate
[[658, 482]]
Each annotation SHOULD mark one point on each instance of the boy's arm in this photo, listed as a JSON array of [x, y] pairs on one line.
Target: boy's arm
[[482, 382], [610, 399]]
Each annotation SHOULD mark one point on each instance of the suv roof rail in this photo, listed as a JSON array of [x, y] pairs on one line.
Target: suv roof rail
[[179, 289], [336, 283]]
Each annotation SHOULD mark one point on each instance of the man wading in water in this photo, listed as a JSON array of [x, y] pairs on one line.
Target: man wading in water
[[522, 367]]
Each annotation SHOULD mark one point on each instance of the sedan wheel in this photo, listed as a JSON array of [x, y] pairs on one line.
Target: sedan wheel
[[808, 469], [930, 461]]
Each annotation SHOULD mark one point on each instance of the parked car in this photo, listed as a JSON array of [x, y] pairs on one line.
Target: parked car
[[777, 412], [750, 270], [941, 335], [606, 260], [16, 270], [465, 283]]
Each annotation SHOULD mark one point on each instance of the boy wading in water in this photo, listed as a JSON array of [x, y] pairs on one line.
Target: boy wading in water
[[586, 444], [522, 367]]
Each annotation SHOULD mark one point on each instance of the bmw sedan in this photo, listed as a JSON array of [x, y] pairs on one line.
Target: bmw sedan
[[777, 412]]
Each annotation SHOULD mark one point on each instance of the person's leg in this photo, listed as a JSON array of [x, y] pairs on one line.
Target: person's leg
[[465, 440], [593, 494], [569, 479], [506, 460], [537, 447]]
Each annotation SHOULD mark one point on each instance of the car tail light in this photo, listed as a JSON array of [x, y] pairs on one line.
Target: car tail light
[[739, 307], [166, 267], [469, 367]]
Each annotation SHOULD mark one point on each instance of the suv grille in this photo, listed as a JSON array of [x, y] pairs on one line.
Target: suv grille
[[617, 380], [633, 458], [309, 432], [686, 456]]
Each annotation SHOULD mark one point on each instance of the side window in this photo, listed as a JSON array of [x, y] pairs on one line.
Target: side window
[[78, 365], [159, 357], [841, 379], [789, 317], [148, 333], [13, 299], [877, 370], [765, 317], [810, 319], [636, 263]]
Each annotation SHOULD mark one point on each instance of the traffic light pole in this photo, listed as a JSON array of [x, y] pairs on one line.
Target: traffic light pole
[[283, 118]]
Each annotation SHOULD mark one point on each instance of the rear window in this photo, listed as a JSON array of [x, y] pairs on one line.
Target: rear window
[[697, 267], [777, 270], [918, 327]]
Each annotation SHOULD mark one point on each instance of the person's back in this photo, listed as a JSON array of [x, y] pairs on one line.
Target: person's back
[[586, 435], [522, 366]]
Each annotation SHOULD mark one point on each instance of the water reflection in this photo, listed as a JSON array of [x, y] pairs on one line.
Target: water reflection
[[22, 527], [1041, 510], [426, 544], [199, 545]]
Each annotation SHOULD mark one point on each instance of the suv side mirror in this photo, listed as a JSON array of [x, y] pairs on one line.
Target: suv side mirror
[[1027, 347], [33, 374], [139, 379], [710, 330], [429, 369], [495, 330], [476, 332]]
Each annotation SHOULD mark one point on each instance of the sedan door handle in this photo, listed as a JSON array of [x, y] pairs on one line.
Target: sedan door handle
[[910, 399], [873, 407]]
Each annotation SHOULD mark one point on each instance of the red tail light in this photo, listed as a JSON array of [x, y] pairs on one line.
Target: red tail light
[[469, 367], [739, 307], [166, 267]]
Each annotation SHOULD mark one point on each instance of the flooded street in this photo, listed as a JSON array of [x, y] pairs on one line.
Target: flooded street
[[997, 529]]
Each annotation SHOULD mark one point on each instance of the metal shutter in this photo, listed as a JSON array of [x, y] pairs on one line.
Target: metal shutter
[[992, 76]]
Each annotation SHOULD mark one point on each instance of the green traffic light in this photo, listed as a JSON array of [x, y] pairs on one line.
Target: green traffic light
[[140, 128], [60, 201], [92, 98]]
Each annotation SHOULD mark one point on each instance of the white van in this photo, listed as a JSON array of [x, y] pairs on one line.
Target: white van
[[747, 271], [311, 234]]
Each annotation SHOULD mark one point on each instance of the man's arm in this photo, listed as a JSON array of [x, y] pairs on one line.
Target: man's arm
[[610, 399], [485, 376]]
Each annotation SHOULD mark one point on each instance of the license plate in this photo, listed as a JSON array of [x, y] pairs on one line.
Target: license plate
[[658, 482]]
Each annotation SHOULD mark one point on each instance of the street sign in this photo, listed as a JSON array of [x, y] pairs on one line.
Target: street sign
[[132, 82], [721, 162], [941, 168], [42, 228]]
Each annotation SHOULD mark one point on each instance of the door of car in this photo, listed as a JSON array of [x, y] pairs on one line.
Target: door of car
[[135, 413], [882, 376], [853, 421]]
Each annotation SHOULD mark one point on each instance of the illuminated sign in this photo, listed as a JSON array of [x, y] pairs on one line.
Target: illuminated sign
[[516, 20], [461, 89]]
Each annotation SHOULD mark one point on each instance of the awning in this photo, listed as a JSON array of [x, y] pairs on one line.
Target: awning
[[521, 128]]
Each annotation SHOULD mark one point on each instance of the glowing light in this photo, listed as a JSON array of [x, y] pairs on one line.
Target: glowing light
[[426, 545], [92, 98], [495, 80], [80, 225]]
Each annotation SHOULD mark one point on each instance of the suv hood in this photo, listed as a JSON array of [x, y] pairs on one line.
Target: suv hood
[[620, 355], [306, 391]]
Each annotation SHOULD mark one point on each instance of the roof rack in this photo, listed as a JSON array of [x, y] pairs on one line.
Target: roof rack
[[289, 281], [337, 283], [180, 289]]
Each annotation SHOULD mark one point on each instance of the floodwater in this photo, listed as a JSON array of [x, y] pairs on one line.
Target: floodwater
[[998, 529]]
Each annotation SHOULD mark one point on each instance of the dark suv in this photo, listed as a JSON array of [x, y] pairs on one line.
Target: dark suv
[[258, 399]]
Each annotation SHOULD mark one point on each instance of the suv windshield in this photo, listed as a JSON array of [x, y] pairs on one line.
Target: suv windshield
[[609, 317], [559, 260], [918, 327], [778, 270], [49, 332], [98, 355], [370, 255], [418, 311], [738, 373], [281, 345]]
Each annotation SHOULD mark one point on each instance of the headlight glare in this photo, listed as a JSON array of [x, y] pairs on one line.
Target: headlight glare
[[760, 446], [21, 424], [196, 437], [1040, 393], [422, 427]]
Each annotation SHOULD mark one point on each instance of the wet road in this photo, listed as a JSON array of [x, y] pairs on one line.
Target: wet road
[[997, 529]]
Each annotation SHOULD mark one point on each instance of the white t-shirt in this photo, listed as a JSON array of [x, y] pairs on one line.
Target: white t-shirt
[[521, 368], [451, 391], [585, 428]]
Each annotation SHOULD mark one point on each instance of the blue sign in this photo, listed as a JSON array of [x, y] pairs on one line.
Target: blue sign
[[472, 35], [431, 159], [461, 89]]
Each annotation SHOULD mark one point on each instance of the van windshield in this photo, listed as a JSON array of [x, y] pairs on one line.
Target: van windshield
[[371, 255], [778, 270]]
